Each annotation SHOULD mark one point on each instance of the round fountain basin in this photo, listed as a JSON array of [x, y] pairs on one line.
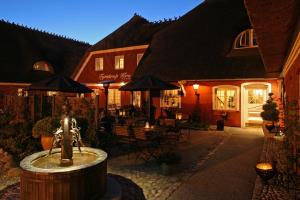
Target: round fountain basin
[[42, 176]]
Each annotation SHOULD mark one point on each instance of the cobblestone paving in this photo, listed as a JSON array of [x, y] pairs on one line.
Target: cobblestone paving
[[282, 186], [202, 145]]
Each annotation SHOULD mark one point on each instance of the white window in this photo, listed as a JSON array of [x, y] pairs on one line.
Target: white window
[[114, 98], [119, 62], [138, 58], [137, 98], [245, 39], [225, 98], [170, 98], [99, 64], [43, 66]]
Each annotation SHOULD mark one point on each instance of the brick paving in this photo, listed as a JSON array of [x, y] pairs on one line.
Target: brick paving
[[229, 173], [147, 176]]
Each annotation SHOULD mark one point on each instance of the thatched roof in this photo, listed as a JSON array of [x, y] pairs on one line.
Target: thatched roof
[[199, 44], [137, 31], [21, 47], [274, 22]]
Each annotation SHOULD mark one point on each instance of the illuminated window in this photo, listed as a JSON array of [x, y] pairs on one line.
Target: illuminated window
[[43, 66], [138, 58], [245, 39], [225, 98], [137, 98], [21, 92], [119, 62], [257, 96], [51, 93], [114, 98], [99, 64], [170, 98]]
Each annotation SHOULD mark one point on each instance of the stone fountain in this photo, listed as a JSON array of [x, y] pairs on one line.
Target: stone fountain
[[66, 173]]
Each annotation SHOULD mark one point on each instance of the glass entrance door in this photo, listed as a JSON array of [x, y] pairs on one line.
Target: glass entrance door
[[255, 97]]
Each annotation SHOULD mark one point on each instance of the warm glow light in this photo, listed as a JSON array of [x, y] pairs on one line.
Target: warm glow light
[[178, 116], [66, 125], [196, 86], [147, 125], [264, 166], [100, 85], [122, 83], [122, 113]]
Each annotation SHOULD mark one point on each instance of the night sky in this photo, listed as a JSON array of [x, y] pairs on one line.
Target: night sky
[[88, 20]]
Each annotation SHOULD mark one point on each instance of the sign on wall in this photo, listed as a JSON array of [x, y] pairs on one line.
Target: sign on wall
[[121, 77]]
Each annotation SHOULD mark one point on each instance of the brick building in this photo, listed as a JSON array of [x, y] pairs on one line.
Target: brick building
[[213, 46]]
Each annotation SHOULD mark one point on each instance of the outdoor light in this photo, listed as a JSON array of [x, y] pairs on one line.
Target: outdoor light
[[179, 116], [122, 113], [122, 83], [265, 171], [196, 87], [147, 125]]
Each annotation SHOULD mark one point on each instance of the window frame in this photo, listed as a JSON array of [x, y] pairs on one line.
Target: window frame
[[118, 58], [118, 104], [161, 99], [101, 67], [242, 36], [228, 87]]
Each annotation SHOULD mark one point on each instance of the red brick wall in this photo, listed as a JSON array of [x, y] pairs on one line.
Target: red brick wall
[[208, 115], [292, 82], [89, 75]]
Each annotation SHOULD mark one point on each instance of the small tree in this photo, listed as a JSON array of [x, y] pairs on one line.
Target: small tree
[[270, 111]]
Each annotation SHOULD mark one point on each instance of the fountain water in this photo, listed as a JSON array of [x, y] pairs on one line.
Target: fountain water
[[67, 172]]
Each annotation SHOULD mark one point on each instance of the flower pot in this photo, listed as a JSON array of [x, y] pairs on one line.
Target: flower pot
[[267, 133], [46, 141]]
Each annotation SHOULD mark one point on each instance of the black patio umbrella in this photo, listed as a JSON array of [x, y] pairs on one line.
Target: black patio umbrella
[[59, 83], [148, 83]]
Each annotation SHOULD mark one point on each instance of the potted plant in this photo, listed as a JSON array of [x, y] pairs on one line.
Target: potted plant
[[168, 162], [44, 128], [270, 114]]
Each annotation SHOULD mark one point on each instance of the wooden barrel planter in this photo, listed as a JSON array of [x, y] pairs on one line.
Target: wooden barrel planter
[[85, 181]]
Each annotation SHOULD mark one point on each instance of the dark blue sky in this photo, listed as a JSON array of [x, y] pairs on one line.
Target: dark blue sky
[[88, 20]]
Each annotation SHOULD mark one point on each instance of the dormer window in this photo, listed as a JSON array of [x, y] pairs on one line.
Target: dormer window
[[43, 66], [245, 39]]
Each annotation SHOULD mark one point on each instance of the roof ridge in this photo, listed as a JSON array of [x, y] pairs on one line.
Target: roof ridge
[[43, 32], [156, 22], [165, 20]]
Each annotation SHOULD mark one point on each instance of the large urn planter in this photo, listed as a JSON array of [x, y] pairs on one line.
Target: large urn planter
[[46, 141], [266, 126]]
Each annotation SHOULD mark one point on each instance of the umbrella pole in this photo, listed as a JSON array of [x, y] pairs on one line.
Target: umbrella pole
[[149, 106], [96, 111], [53, 105]]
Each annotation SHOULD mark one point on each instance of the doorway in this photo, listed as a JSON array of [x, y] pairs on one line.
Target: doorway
[[254, 95]]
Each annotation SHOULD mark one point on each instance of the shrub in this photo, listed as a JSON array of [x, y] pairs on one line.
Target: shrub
[[17, 140], [270, 111], [45, 126]]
